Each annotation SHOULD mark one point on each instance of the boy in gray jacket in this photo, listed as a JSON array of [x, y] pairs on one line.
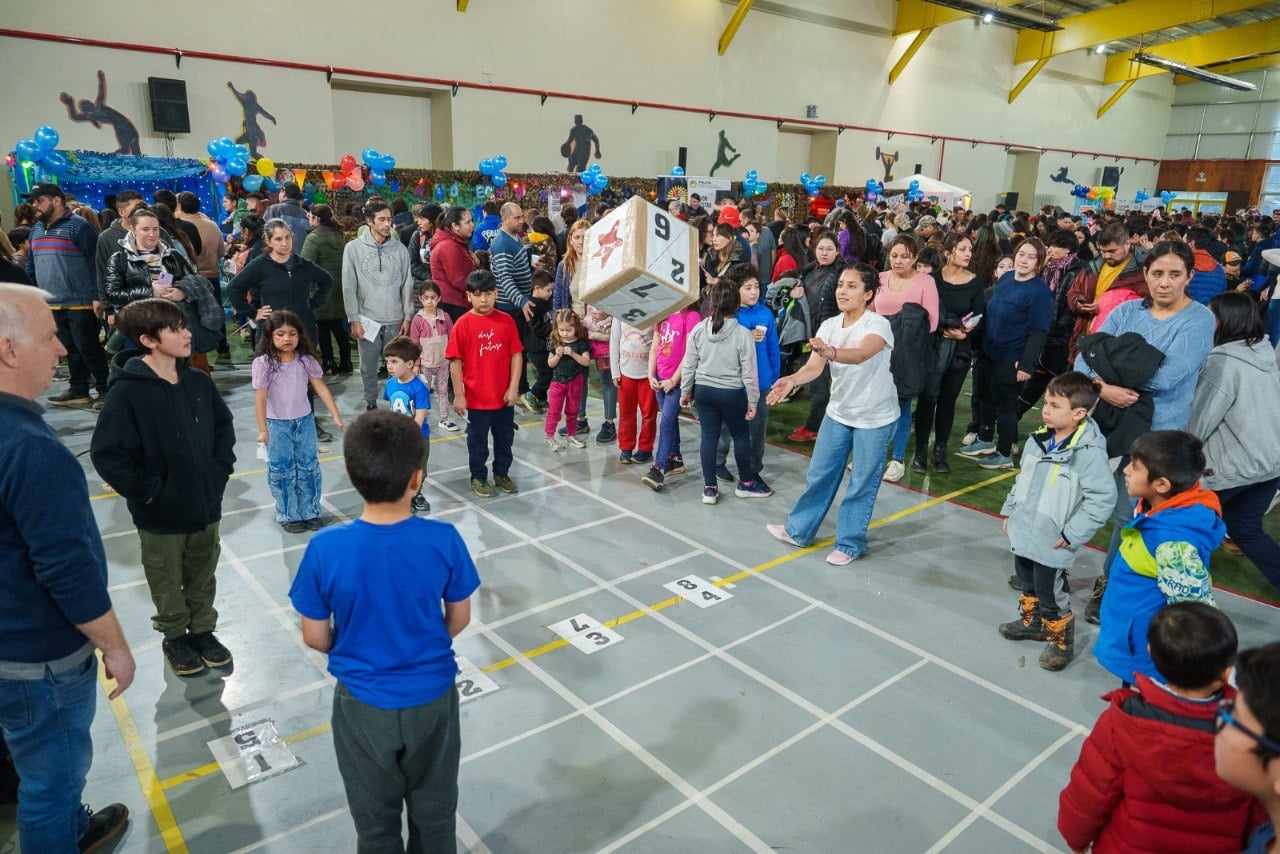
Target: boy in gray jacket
[[1063, 494], [377, 292]]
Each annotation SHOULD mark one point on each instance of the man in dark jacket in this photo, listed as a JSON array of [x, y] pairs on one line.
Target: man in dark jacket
[[60, 258], [54, 606], [165, 442], [289, 209]]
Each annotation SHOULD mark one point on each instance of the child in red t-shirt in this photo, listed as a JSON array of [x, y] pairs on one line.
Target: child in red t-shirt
[[485, 364]]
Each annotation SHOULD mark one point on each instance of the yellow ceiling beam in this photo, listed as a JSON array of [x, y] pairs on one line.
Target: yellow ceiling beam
[[1027, 78], [1115, 96], [735, 21], [462, 5], [1209, 49], [1122, 21], [898, 67], [916, 15], [1270, 61]]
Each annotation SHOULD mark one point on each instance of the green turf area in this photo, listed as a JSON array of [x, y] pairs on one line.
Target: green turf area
[[1231, 571]]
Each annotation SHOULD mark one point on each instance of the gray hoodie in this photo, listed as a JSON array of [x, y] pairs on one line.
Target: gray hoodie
[[724, 359], [1236, 413], [377, 281]]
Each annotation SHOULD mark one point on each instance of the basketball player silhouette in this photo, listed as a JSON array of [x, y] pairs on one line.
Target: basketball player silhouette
[[577, 148], [97, 112], [251, 132]]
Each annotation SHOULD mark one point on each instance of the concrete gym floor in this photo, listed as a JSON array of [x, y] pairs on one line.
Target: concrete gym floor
[[867, 708]]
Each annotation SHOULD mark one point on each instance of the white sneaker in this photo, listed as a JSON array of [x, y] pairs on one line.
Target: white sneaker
[[894, 471], [969, 439], [554, 444], [575, 442], [450, 426]]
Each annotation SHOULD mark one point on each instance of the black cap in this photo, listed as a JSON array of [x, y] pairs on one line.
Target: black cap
[[45, 190]]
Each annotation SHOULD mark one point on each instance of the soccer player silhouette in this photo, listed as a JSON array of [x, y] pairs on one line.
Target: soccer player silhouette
[[722, 158], [250, 131], [97, 112]]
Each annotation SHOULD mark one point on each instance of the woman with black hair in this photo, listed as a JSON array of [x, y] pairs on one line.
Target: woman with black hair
[[1236, 413], [323, 247], [792, 255], [818, 289]]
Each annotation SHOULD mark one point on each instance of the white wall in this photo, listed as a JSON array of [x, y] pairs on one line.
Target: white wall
[[658, 50], [1209, 122]]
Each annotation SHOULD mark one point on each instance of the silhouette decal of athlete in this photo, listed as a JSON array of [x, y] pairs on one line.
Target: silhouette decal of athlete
[[250, 131], [97, 112], [577, 148], [722, 157], [607, 243]]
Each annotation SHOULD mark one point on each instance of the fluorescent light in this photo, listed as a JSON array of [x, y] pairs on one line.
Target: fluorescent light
[[1102, 48], [1195, 73], [989, 13]]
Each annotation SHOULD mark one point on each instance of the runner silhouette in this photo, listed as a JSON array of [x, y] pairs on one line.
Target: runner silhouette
[[721, 158], [250, 131], [97, 112]]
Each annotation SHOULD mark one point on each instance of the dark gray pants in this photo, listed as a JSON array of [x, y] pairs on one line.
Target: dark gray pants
[[393, 758]]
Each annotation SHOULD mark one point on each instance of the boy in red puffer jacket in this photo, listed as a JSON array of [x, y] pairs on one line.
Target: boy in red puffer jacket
[[1145, 780]]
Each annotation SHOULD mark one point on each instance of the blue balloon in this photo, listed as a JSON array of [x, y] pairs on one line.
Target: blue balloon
[[386, 163], [54, 163], [215, 150], [486, 167], [252, 183], [369, 156], [594, 168], [500, 161], [499, 180], [585, 177], [678, 171], [821, 181], [236, 167], [805, 177], [394, 186], [753, 174], [761, 188], [28, 149], [269, 184], [439, 192], [377, 177], [46, 137]]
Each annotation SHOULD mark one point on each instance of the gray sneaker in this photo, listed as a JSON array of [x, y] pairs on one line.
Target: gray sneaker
[[995, 462]]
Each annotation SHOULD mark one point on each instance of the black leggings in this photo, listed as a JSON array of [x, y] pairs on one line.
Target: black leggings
[[329, 331], [1001, 421], [939, 414]]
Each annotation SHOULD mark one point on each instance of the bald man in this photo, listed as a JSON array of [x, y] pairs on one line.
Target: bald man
[[509, 261], [54, 607]]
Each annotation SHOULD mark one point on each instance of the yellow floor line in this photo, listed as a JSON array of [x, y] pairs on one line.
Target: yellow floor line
[[152, 788], [559, 643]]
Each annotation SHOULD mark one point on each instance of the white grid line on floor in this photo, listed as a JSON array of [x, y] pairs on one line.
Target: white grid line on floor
[[773, 685]]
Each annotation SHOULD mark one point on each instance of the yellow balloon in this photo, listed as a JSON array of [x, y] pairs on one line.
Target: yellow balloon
[[266, 167]]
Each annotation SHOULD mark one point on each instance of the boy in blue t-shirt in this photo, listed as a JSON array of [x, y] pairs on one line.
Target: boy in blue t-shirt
[[409, 395], [384, 596]]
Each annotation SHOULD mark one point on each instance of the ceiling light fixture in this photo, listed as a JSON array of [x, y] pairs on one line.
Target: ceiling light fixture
[[1102, 48], [1194, 73], [989, 13]]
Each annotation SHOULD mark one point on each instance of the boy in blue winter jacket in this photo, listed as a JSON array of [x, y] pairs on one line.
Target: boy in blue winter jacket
[[755, 317], [1063, 494], [1164, 551]]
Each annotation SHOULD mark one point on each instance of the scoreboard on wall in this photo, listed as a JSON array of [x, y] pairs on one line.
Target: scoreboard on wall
[[640, 264]]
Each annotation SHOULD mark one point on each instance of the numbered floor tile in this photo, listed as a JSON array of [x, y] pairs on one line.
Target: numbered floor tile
[[698, 591], [585, 633], [252, 753], [472, 682]]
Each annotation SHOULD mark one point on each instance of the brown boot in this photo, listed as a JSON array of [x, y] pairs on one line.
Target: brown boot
[[1062, 643], [1028, 625]]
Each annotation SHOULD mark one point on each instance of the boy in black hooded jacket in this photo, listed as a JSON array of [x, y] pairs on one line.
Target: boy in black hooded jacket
[[165, 442]]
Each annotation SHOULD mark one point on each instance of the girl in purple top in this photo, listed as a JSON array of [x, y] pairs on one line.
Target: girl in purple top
[[665, 356], [284, 369]]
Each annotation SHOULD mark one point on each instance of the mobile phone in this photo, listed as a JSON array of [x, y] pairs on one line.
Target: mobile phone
[[971, 321], [164, 280]]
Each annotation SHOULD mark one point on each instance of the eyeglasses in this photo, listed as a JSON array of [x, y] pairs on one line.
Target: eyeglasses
[[1224, 719]]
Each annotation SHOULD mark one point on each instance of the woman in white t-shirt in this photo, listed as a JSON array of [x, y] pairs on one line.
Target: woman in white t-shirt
[[860, 418]]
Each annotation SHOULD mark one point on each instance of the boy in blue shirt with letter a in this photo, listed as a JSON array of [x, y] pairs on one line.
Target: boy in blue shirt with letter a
[[383, 596], [409, 395]]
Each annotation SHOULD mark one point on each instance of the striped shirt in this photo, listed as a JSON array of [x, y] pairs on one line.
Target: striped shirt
[[509, 263], [61, 260]]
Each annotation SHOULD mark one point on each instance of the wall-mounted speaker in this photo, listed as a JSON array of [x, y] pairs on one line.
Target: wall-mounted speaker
[[684, 157], [169, 105]]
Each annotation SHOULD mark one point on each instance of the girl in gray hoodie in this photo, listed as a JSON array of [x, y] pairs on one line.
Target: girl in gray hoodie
[[1235, 413], [718, 374]]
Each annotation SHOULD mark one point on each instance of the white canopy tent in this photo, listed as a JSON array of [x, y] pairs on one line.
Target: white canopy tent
[[948, 195]]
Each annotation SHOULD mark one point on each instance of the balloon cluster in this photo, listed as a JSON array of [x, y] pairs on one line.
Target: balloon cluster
[[677, 171], [875, 188], [349, 176], [753, 186], [914, 193], [264, 180], [226, 159], [1165, 197], [594, 180], [491, 168], [812, 185], [1097, 193], [1141, 196], [38, 149], [379, 165]]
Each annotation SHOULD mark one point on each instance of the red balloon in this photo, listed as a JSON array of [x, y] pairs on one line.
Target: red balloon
[[348, 162], [337, 182]]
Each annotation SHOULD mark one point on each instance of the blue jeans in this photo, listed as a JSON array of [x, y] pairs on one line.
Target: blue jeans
[[293, 468], [668, 426], [480, 423], [719, 408], [826, 470], [46, 727], [902, 430], [757, 427]]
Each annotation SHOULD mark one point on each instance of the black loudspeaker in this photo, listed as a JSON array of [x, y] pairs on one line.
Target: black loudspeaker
[[169, 105], [919, 170], [1111, 176], [1010, 201], [684, 157]]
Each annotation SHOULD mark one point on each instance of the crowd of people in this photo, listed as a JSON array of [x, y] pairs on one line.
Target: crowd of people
[[1144, 339]]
